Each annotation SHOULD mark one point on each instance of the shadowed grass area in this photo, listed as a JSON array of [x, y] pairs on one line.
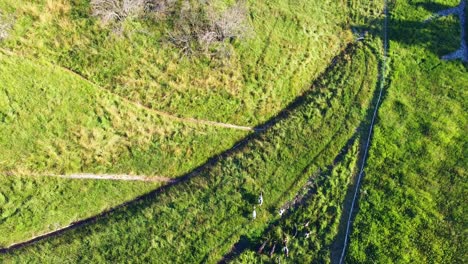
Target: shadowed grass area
[[412, 207], [311, 226], [198, 220]]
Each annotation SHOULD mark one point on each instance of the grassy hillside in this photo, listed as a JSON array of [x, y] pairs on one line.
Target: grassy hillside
[[53, 121], [58, 65], [200, 219], [413, 200], [292, 43]]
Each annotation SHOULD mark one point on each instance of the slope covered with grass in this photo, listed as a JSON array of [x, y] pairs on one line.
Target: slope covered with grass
[[31, 206], [293, 42], [413, 200], [55, 122], [199, 220]]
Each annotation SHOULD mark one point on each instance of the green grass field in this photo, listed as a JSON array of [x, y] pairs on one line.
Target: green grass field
[[412, 207], [60, 69], [53, 121], [34, 206], [200, 219]]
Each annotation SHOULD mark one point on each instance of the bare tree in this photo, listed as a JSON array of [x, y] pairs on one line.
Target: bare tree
[[196, 25], [199, 27], [232, 23], [116, 10]]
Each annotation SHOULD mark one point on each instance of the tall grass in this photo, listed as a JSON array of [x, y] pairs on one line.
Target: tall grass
[[54, 122], [311, 227], [31, 206]]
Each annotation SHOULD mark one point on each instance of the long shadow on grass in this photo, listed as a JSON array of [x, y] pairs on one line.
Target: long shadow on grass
[[337, 244], [129, 205], [245, 243], [440, 36]]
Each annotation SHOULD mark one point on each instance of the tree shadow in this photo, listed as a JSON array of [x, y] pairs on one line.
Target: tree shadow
[[432, 7], [439, 35]]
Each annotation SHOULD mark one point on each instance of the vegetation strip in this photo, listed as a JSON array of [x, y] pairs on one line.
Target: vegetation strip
[[371, 127], [311, 224]]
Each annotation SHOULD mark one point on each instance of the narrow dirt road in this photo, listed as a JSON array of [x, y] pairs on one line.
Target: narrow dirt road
[[162, 113], [141, 106], [114, 177]]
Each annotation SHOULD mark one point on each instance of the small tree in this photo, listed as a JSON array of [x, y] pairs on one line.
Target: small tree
[[116, 10], [232, 23]]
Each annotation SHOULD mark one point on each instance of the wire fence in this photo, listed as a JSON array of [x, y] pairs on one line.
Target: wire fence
[[382, 79]]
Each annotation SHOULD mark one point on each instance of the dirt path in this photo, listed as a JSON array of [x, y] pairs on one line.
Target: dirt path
[[91, 176], [114, 177], [161, 113], [141, 106]]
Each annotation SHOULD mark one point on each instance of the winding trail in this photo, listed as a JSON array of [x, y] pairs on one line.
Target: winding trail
[[382, 77], [162, 113], [141, 106]]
